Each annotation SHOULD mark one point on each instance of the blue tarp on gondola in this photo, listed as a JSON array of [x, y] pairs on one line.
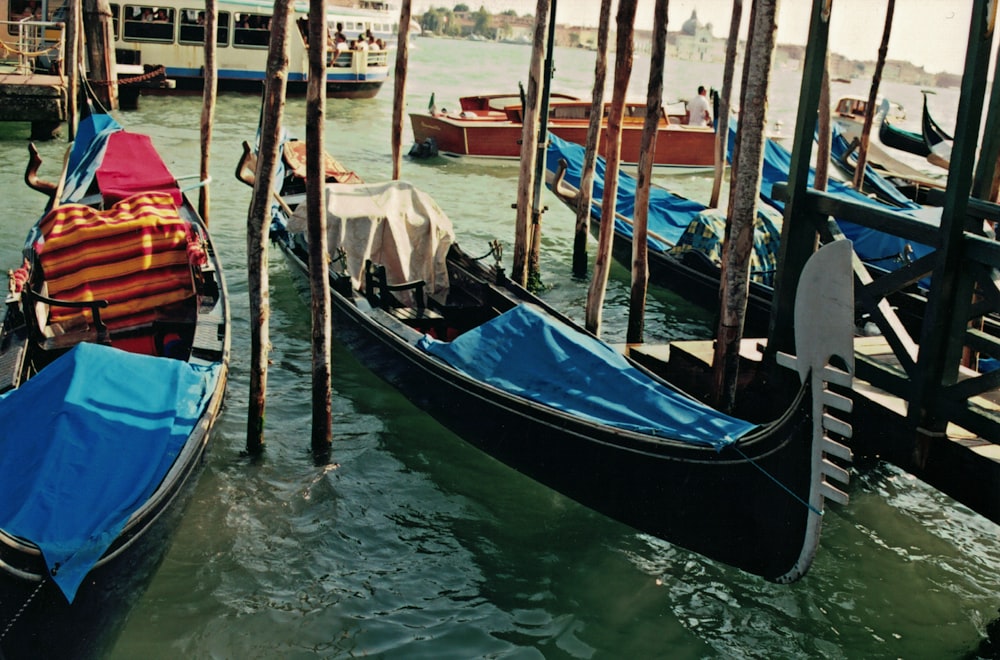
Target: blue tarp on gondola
[[84, 444], [872, 246], [683, 224], [527, 353]]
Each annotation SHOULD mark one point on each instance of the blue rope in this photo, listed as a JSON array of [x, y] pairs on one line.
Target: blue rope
[[780, 485]]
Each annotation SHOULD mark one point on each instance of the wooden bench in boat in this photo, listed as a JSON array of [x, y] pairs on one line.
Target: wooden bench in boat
[[381, 294]]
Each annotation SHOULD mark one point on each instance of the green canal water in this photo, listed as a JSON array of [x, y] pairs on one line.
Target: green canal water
[[417, 546]]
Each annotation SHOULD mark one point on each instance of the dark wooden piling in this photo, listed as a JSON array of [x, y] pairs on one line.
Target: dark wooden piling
[[259, 218], [399, 88], [738, 244], [319, 282], [100, 51], [623, 69], [529, 149], [209, 93], [866, 129], [585, 199], [650, 128], [725, 102], [71, 65]]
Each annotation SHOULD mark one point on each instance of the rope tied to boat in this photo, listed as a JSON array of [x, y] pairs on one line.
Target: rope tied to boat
[[20, 610], [779, 484], [496, 249]]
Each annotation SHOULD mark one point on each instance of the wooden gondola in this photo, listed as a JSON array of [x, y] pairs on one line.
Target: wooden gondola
[[937, 140], [526, 385], [114, 355]]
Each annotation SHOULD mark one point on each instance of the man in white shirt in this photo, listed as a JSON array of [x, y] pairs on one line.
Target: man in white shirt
[[699, 112]]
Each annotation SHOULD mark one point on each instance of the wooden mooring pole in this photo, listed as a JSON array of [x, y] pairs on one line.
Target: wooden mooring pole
[[738, 242], [209, 93], [71, 65], [613, 137], [866, 129], [722, 120], [258, 219], [101, 51], [319, 281], [585, 199], [529, 151], [650, 127], [399, 88]]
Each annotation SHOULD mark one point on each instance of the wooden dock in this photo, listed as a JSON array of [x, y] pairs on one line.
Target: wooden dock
[[40, 97]]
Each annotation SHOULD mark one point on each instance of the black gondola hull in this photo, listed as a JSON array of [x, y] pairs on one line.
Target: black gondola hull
[[745, 507]]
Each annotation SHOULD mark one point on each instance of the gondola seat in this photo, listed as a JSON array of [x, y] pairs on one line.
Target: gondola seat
[[98, 283], [381, 294]]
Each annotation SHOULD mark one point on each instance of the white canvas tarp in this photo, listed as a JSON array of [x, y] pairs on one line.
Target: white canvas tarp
[[391, 223]]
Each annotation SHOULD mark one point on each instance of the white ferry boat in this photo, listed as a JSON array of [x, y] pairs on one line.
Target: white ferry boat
[[171, 34]]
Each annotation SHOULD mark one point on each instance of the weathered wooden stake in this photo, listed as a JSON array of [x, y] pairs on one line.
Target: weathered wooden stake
[[623, 69], [650, 127], [859, 172], [529, 150], [399, 88], [101, 51], [738, 243], [725, 102], [824, 132], [71, 64], [259, 218], [209, 93], [585, 199], [319, 281]]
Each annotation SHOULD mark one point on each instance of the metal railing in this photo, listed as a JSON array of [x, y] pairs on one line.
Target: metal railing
[[29, 45]]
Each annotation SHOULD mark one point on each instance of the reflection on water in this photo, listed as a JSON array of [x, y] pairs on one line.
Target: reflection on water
[[415, 544]]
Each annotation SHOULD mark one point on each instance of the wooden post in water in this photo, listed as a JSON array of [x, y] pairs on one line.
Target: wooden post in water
[[602, 263], [529, 150], [722, 121], [640, 225], [585, 199], [399, 88], [319, 280], [859, 172], [259, 218], [101, 51], [535, 240], [209, 93], [71, 65], [824, 132], [738, 244]]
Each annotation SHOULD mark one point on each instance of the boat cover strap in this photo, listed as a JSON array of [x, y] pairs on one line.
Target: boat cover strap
[[134, 255], [132, 165], [528, 353], [86, 442]]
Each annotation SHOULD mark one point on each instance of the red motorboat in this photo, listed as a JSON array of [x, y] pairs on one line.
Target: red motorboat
[[489, 126]]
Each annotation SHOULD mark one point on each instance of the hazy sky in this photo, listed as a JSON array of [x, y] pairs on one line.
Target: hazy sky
[[929, 33]]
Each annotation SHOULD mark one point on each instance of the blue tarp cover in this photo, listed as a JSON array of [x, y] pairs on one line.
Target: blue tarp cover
[[684, 224], [84, 444], [526, 352], [871, 245]]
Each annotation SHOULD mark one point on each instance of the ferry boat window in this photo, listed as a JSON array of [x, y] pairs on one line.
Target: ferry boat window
[[252, 30], [148, 23], [116, 14], [18, 10], [192, 30]]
